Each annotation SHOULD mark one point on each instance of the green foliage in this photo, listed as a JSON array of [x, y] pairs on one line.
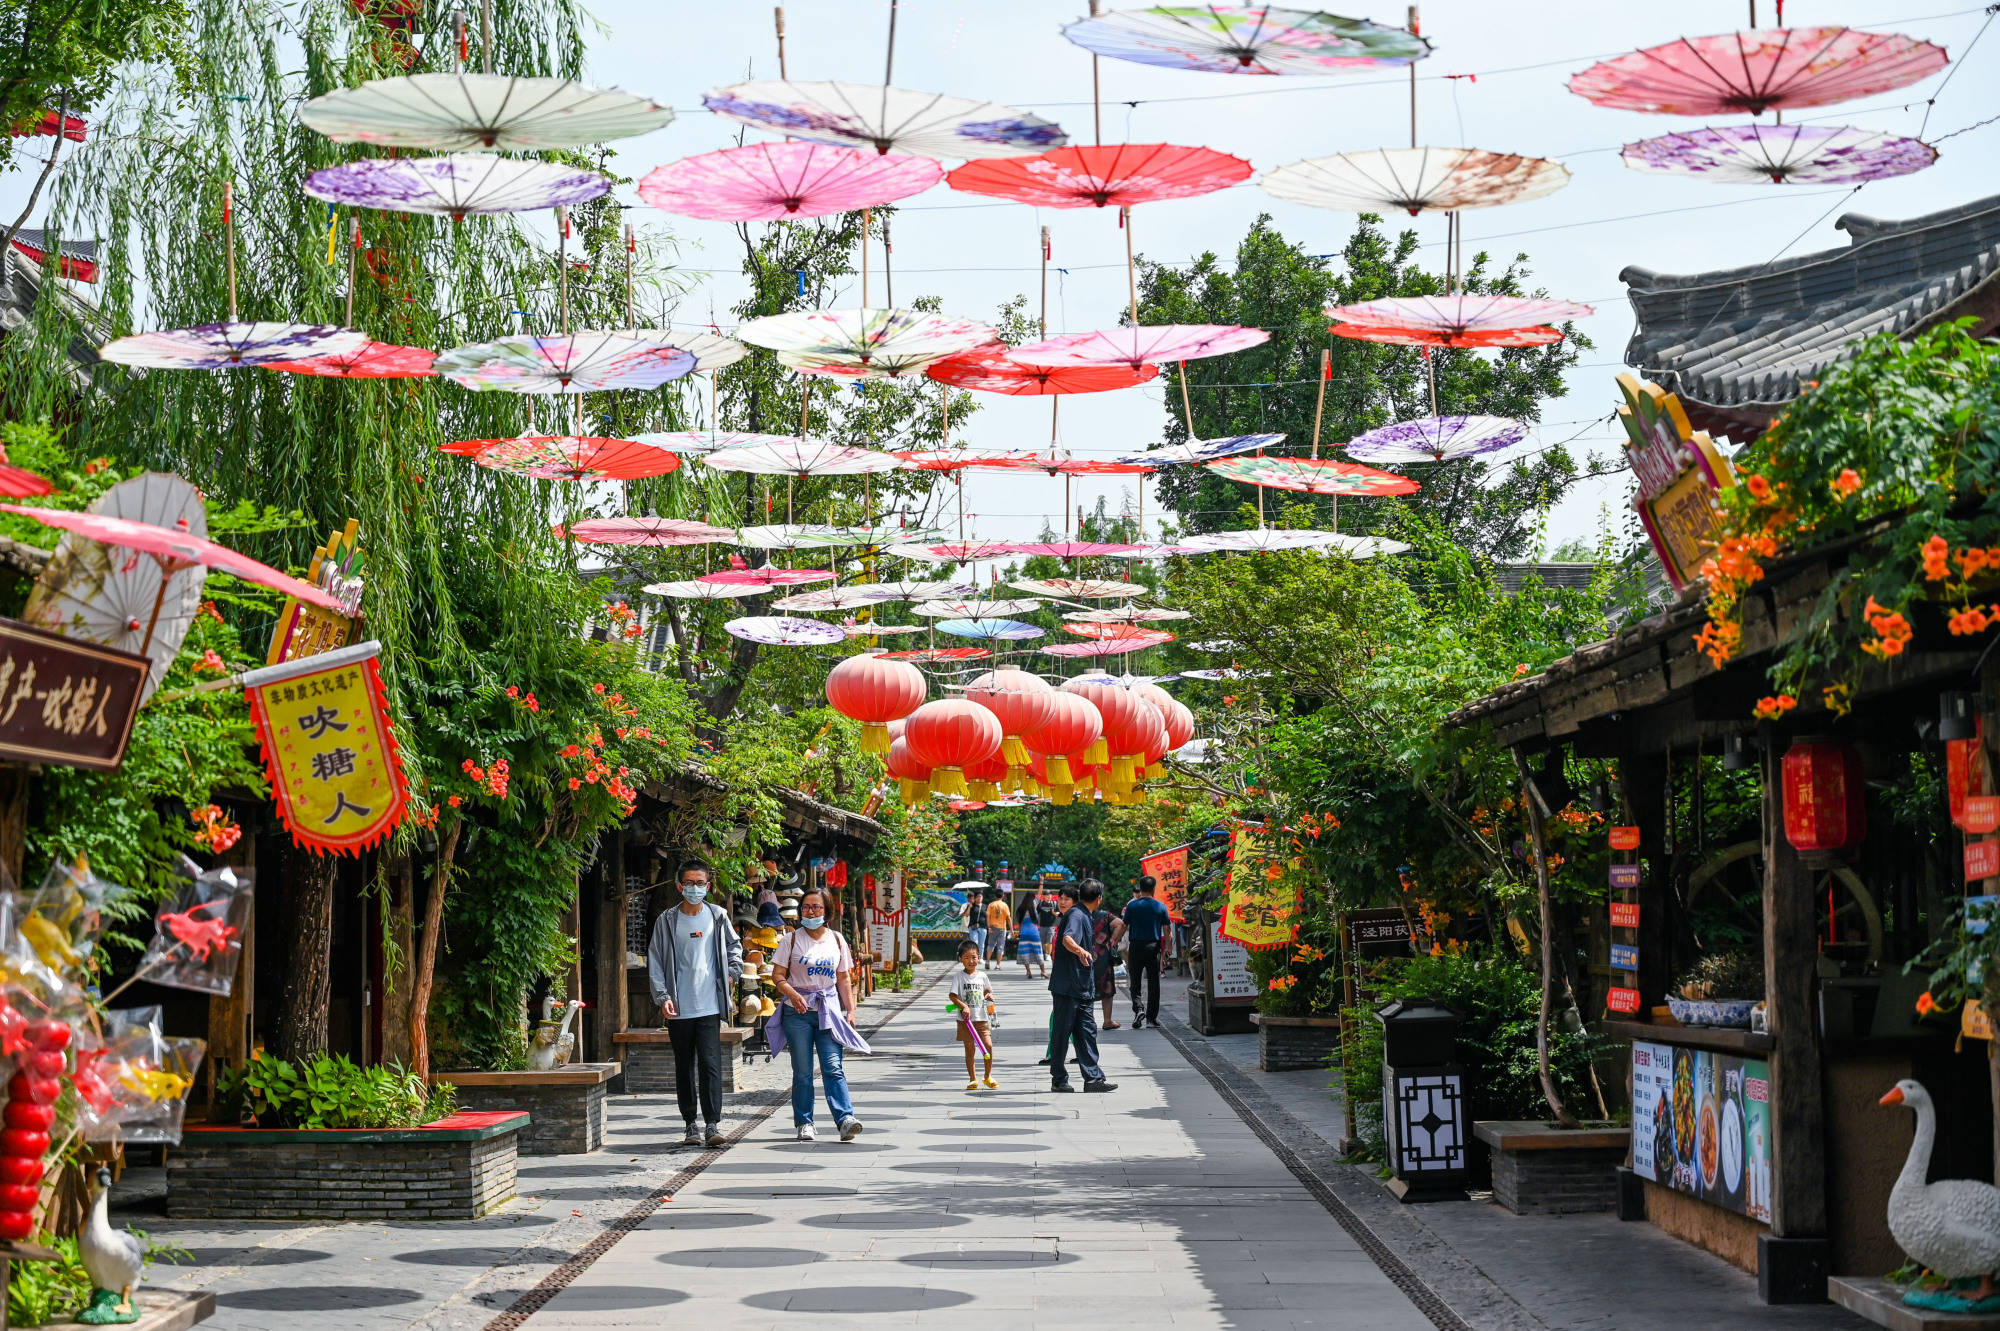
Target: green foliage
[[329, 1092], [42, 1292], [899, 979], [921, 840], [56, 53], [1497, 1000], [506, 935]]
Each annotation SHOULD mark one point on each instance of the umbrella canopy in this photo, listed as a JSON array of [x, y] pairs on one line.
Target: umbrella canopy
[[20, 483], [831, 598], [870, 115], [1001, 630], [1074, 589], [1223, 674], [177, 549], [1460, 319], [702, 591], [89, 592], [1110, 630], [951, 552], [939, 654], [225, 346], [814, 536], [1781, 155], [1318, 477], [1127, 614], [694, 442], [1067, 549], [767, 182], [1142, 345], [1436, 439], [995, 371], [1110, 175], [1286, 538], [926, 591], [784, 455], [1759, 70], [958, 459], [973, 609], [1199, 451], [711, 350], [1109, 647], [370, 360], [854, 630], [457, 187], [768, 576], [587, 362], [645, 531], [1415, 180], [864, 342], [563, 457], [1245, 39], [448, 112], [783, 631]]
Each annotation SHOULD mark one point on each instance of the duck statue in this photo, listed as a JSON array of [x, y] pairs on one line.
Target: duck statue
[[554, 1043], [1951, 1227], [112, 1258]]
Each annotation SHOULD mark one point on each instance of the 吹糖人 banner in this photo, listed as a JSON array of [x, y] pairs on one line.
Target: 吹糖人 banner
[[329, 748]]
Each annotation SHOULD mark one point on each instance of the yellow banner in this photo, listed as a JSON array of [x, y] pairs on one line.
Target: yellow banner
[[330, 750], [1263, 909]]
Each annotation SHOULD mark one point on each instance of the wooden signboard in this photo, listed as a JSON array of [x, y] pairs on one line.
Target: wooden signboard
[[1379, 933], [308, 630], [1625, 915], [1679, 471], [65, 702]]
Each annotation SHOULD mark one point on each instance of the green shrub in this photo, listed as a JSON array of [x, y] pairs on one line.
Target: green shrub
[[329, 1092], [1497, 999], [43, 1292]]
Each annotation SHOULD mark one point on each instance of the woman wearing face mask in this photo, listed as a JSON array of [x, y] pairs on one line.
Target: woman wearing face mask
[[692, 963], [812, 965]]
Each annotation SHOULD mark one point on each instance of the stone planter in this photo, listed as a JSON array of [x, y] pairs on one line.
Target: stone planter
[[649, 1059], [457, 1168], [1544, 1170], [1216, 1018], [1290, 1044], [565, 1107], [159, 1310]]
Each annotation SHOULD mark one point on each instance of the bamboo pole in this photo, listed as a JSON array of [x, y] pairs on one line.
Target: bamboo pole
[[778, 15], [1131, 268], [1097, 89], [1413, 81], [229, 241], [1319, 411], [353, 253], [486, 36]]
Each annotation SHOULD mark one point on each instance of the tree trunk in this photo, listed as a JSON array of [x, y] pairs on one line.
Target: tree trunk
[[401, 927], [302, 1015], [1531, 801], [14, 781], [427, 948]]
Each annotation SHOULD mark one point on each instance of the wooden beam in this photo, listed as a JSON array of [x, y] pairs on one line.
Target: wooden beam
[[612, 1013], [1791, 956]]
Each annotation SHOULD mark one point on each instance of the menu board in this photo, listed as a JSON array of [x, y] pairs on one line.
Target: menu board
[[1229, 975], [1701, 1124]]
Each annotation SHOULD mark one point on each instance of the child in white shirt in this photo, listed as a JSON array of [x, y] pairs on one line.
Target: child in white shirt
[[972, 997]]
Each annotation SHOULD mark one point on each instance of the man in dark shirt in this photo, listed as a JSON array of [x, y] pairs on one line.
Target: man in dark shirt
[[1147, 921], [1074, 988]]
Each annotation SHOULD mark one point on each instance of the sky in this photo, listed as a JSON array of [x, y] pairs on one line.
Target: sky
[[1495, 80]]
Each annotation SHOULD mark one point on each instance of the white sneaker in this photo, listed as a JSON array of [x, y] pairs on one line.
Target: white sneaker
[[806, 1133], [850, 1129]]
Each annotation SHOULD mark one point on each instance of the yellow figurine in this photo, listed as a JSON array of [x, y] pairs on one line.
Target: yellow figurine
[[155, 1083], [51, 943]]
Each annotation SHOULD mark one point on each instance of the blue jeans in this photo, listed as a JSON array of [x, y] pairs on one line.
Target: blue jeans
[[802, 1037]]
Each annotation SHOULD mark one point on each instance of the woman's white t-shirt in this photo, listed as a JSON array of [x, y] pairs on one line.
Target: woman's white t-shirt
[[814, 964]]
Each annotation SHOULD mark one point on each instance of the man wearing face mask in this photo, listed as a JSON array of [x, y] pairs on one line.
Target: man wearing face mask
[[692, 964]]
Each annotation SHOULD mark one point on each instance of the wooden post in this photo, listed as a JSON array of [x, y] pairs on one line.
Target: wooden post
[[612, 1012], [1791, 955], [231, 1024], [14, 782], [398, 979], [1644, 777]]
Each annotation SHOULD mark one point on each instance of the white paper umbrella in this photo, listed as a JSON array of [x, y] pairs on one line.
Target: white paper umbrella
[[1198, 451], [951, 552], [457, 187], [1415, 180], [106, 594], [1074, 589], [973, 609], [864, 343], [711, 351], [226, 346], [991, 630], [908, 590], [784, 631], [585, 362], [1436, 439], [850, 115], [696, 442], [703, 591], [1127, 614], [831, 598], [448, 112], [1246, 39], [784, 456], [1223, 675], [882, 630], [1141, 345], [815, 536]]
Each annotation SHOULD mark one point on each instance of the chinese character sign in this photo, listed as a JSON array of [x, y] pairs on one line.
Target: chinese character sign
[[1169, 871], [1679, 471], [1263, 894], [65, 702], [330, 749]]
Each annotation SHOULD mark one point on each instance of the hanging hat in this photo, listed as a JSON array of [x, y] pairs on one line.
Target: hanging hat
[[751, 1008], [767, 1008], [765, 936], [769, 916], [790, 914]]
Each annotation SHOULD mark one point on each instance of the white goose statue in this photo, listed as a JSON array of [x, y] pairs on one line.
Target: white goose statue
[[554, 1044], [1951, 1226], [112, 1258]]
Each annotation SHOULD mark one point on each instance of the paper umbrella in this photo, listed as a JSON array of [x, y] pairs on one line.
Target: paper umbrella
[[1260, 539], [562, 457], [1112, 175], [991, 630], [1415, 180], [784, 631], [1203, 450], [1435, 439], [703, 591], [996, 371], [1781, 155], [1759, 70], [645, 531], [1141, 345], [371, 360], [864, 343], [1461, 319], [457, 187], [1312, 476], [1245, 39], [767, 182], [449, 112], [227, 346], [585, 362], [786, 455], [885, 119]]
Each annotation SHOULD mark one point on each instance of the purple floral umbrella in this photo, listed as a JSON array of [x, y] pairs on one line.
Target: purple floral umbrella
[[226, 346], [457, 186], [1781, 154], [1246, 39], [1436, 439], [871, 115], [784, 631], [1201, 450], [584, 362]]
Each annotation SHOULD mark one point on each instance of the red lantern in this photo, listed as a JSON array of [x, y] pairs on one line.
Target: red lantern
[[1964, 773], [874, 692], [986, 780], [1180, 724], [1074, 725], [1019, 699], [1115, 704], [1824, 796], [1129, 743], [950, 735], [912, 775]]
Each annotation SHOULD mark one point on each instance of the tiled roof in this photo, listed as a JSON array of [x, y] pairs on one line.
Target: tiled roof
[[1738, 344]]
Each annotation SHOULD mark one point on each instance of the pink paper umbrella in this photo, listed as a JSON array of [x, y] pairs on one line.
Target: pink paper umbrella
[[1109, 647], [951, 552], [764, 182], [1462, 319], [768, 576], [645, 531], [568, 457], [1764, 69], [1134, 347], [374, 360], [175, 550], [1066, 549], [950, 460]]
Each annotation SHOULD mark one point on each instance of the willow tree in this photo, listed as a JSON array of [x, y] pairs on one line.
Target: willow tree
[[468, 591]]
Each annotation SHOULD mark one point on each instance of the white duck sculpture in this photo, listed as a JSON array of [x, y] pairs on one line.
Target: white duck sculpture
[[112, 1258], [554, 1044], [1951, 1226]]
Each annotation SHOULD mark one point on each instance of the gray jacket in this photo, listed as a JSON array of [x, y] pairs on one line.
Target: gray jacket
[[724, 945]]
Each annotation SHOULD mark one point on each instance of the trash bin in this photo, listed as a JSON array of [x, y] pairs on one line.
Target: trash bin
[[1424, 1119]]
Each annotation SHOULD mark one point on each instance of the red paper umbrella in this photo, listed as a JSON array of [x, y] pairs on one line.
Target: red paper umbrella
[[1107, 632], [874, 692], [1096, 467], [953, 459], [1112, 647], [998, 372], [1463, 319], [767, 577], [645, 531], [372, 360], [1313, 476], [1135, 347], [939, 654], [1765, 69], [1064, 549], [558, 457], [20, 483], [1111, 175]]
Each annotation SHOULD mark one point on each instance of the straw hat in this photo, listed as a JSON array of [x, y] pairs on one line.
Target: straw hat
[[752, 1008], [768, 1008], [764, 936]]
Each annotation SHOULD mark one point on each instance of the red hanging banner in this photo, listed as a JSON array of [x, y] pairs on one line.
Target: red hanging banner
[[330, 748]]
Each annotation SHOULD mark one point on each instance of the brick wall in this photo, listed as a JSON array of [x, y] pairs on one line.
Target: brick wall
[[1290, 1048], [237, 1178], [649, 1067], [1557, 1182], [563, 1120]]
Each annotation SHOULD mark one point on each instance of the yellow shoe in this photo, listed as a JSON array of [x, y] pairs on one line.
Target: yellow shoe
[[992, 1085], [972, 1086]]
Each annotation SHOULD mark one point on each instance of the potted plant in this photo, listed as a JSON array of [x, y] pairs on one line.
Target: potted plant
[[1720, 990]]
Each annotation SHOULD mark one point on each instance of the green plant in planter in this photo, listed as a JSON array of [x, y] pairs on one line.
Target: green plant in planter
[[43, 1292], [329, 1092]]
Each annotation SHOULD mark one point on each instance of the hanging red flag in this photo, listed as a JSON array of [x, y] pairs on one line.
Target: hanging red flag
[[330, 749]]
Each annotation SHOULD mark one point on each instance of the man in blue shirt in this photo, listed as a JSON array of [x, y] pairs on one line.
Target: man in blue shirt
[[1146, 923], [1073, 985]]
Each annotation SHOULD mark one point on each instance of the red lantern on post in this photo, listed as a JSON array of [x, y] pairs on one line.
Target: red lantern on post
[[1824, 796], [1964, 773], [950, 735], [874, 692], [1116, 704], [1021, 702], [1074, 725]]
